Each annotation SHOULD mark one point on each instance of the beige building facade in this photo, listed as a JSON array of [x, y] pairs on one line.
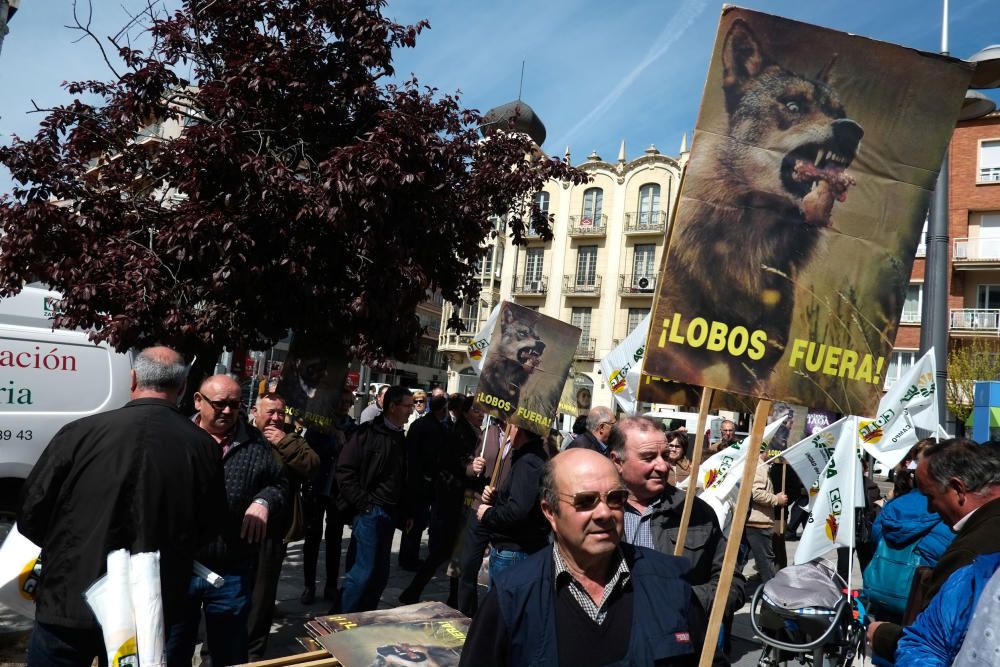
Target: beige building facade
[[599, 272]]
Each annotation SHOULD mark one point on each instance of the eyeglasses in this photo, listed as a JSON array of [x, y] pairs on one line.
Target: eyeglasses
[[419, 400], [584, 501], [222, 405]]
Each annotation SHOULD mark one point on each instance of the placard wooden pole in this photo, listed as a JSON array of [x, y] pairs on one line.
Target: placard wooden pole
[[735, 535], [692, 488], [784, 489], [310, 659]]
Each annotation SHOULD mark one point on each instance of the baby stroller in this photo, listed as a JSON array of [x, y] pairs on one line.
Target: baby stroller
[[804, 614]]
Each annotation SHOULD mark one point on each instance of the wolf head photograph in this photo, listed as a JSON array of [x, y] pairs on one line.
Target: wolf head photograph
[[761, 196], [513, 357]]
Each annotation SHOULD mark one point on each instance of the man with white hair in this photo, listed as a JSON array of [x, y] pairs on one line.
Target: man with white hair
[[600, 420]]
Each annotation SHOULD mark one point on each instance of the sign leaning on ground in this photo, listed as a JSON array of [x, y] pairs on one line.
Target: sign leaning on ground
[[800, 212]]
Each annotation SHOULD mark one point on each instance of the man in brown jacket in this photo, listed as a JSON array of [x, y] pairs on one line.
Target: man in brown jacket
[[299, 461], [760, 524]]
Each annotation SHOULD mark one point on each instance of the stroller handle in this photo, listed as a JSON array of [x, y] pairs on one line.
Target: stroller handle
[[796, 648]]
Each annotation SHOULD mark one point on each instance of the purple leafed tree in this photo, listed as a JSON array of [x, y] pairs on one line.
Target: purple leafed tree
[[304, 192]]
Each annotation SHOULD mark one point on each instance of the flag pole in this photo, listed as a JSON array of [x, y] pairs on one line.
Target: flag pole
[[735, 534], [486, 432], [695, 458], [854, 502]]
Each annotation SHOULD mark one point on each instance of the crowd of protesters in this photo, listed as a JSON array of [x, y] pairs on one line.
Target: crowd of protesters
[[579, 538]]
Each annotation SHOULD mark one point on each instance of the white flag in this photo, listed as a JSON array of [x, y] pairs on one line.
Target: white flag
[[907, 413], [831, 522], [808, 458], [721, 472], [621, 366], [481, 342]]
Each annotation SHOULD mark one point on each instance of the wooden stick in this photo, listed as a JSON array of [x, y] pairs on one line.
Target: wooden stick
[[310, 659], [735, 535], [509, 432], [784, 490], [695, 458]]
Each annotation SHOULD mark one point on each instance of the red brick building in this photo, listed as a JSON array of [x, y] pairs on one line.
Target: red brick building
[[974, 235]]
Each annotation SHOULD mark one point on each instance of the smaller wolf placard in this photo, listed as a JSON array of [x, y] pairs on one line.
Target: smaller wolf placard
[[525, 372]]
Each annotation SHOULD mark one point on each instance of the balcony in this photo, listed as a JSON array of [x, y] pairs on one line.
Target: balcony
[[584, 225], [637, 284], [455, 342], [529, 286], [974, 322], [645, 222], [585, 348], [972, 253], [582, 285]]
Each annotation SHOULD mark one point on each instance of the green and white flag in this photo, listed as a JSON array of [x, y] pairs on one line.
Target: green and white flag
[[621, 366], [831, 521], [481, 341], [907, 413]]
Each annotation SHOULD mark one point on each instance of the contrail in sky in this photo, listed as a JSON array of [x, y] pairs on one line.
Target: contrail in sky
[[675, 28]]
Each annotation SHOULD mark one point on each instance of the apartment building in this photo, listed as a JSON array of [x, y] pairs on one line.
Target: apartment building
[[974, 235], [599, 272]]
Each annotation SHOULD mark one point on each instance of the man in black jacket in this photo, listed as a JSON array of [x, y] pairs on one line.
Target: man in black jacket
[[142, 478], [371, 476], [256, 491], [600, 420], [513, 515]]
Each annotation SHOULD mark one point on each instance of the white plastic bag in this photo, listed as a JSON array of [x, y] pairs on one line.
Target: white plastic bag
[[19, 572], [147, 608], [110, 598]]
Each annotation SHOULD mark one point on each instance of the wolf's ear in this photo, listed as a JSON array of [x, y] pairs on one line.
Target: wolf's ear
[[824, 74], [742, 57], [508, 315]]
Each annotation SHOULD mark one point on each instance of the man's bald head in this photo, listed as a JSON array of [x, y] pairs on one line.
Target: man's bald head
[[218, 404], [562, 469]]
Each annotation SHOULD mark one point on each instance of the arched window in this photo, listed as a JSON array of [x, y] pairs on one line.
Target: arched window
[[593, 199], [649, 204]]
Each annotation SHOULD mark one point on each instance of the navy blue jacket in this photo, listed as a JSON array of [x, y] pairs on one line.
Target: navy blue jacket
[[664, 629]]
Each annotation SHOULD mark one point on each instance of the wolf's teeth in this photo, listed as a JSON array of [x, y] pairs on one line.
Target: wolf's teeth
[[819, 156]]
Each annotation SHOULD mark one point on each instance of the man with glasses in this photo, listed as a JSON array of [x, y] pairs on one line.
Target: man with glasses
[[257, 491], [587, 599], [600, 420], [371, 474], [640, 452]]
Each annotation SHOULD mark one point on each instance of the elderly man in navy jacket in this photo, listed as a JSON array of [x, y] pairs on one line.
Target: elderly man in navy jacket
[[588, 599]]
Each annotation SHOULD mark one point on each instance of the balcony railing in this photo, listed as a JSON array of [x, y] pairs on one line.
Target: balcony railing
[[637, 284], [975, 320], [587, 225], [585, 348], [645, 222], [584, 285], [529, 286], [979, 249], [454, 342]]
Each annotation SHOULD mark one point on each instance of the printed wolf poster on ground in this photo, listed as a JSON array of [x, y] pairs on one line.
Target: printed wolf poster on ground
[[800, 212]]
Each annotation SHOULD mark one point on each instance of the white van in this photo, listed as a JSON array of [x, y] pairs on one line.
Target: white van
[[47, 379]]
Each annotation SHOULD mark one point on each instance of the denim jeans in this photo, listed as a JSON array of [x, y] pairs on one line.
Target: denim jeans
[[57, 646], [226, 611], [501, 560], [367, 560]]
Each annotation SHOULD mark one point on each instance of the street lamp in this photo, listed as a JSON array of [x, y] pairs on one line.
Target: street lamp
[[934, 316]]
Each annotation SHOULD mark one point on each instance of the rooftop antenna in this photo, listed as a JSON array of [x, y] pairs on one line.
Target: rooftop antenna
[[520, 85]]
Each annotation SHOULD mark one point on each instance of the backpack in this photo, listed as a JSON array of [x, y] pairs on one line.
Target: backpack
[[889, 575]]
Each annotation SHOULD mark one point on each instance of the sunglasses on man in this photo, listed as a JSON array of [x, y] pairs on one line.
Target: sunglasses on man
[[584, 501], [222, 405]]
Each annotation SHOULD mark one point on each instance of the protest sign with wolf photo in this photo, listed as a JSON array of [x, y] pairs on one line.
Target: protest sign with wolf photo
[[814, 156], [525, 371]]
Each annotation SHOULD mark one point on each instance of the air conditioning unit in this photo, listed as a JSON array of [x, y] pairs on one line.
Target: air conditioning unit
[[961, 250], [644, 283], [533, 286]]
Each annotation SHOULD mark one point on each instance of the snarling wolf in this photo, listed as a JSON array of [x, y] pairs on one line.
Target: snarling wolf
[[518, 353], [757, 201]]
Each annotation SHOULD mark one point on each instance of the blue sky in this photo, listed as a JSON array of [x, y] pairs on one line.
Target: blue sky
[[595, 72]]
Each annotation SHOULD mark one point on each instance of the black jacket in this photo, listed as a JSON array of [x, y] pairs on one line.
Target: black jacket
[[251, 472], [588, 440], [515, 521], [426, 443], [142, 478], [371, 469]]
